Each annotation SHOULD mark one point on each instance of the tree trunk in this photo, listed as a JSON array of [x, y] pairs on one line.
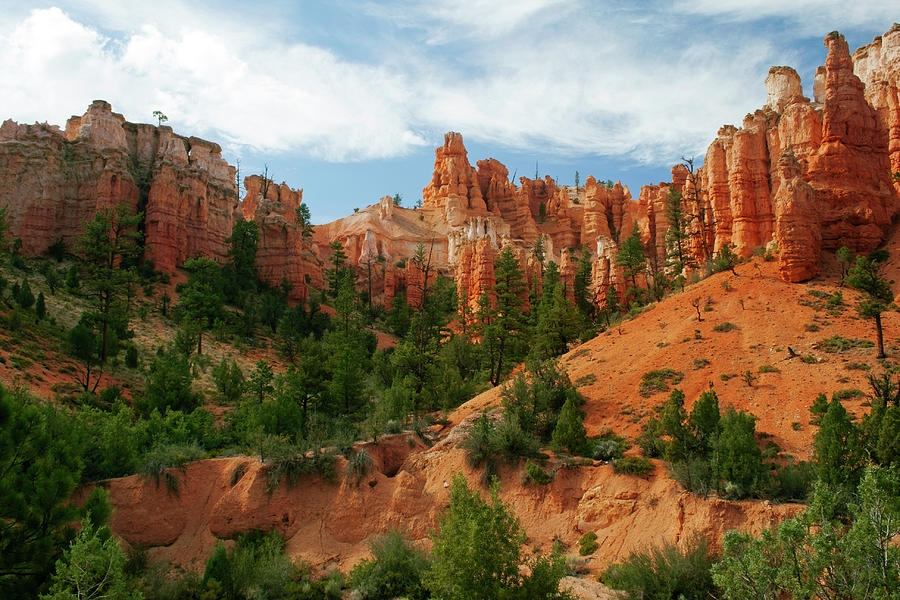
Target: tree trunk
[[880, 336]]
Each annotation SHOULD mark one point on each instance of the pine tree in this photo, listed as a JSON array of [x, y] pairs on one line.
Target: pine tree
[[736, 457], [92, 567], [582, 284], [201, 297], [40, 307], [504, 326], [631, 259], [109, 245], [866, 277], [569, 433]]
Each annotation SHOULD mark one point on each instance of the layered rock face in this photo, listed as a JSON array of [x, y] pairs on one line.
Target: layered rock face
[[54, 180], [796, 166], [878, 67], [51, 181], [283, 255]]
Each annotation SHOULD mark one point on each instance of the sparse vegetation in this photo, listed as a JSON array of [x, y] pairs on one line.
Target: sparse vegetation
[[633, 465], [659, 380], [724, 327], [837, 344]]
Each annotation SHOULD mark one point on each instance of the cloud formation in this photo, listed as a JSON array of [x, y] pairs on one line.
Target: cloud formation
[[567, 76]]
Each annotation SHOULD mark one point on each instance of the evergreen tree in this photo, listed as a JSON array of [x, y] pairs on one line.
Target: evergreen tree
[[582, 285], [168, 384], [240, 273], [40, 307], [569, 433], [503, 326], [736, 457], [558, 324], [837, 450], [304, 222], [705, 420], [109, 245], [866, 277], [91, 568], [338, 270], [24, 297], [631, 259], [84, 343], [40, 465], [677, 235], [477, 553], [201, 297], [259, 384]]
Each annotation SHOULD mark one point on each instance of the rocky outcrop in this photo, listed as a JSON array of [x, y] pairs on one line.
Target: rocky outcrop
[[454, 185], [850, 172], [797, 232], [878, 66], [52, 181], [283, 254], [838, 147]]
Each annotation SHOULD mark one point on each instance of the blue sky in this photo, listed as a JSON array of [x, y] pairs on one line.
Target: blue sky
[[347, 99]]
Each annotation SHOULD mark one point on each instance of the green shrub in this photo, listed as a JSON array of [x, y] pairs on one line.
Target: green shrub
[[794, 482], [769, 369], [695, 474], [724, 327], [131, 356], [848, 393], [700, 363], [587, 545], [394, 571], [535, 474], [163, 457], [608, 449], [665, 573], [569, 433], [633, 465], [658, 380], [837, 344], [857, 366], [358, 466]]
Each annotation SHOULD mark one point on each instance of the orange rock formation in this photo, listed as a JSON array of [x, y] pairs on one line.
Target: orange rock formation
[[54, 180]]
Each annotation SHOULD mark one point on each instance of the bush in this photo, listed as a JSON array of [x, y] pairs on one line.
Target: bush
[[535, 474], [633, 465], [587, 545], [358, 466], [724, 327], [131, 356], [161, 458], [607, 449], [695, 474], [656, 381], [569, 433], [665, 573], [837, 344], [794, 482], [288, 462], [395, 570]]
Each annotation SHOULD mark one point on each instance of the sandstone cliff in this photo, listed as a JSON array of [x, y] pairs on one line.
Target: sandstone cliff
[[53, 180], [284, 255]]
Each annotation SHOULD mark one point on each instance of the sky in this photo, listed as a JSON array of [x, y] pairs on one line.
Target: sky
[[348, 99]]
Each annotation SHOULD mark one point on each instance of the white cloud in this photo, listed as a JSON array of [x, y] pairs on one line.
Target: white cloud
[[648, 81], [808, 17], [271, 96]]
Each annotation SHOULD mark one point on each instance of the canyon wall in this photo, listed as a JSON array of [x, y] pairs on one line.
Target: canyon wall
[[805, 176], [52, 180]]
